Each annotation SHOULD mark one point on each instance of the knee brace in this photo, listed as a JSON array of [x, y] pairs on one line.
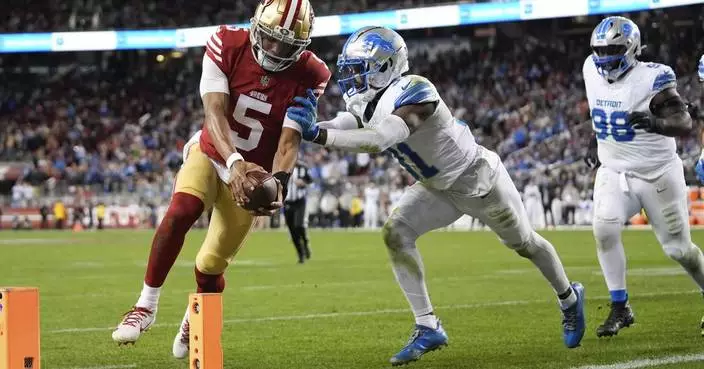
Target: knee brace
[[396, 234], [209, 263], [607, 234]]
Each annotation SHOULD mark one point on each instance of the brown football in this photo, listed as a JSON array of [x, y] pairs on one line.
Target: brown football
[[264, 193]]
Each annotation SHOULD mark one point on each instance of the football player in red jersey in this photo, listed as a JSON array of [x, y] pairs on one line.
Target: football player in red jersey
[[249, 79]]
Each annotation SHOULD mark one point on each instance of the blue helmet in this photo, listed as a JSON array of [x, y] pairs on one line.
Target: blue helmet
[[700, 69], [371, 59], [616, 44]]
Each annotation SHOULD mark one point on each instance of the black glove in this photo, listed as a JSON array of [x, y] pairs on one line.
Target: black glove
[[592, 157], [693, 110], [644, 121], [283, 178]]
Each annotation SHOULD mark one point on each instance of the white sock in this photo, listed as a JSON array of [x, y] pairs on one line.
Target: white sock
[[149, 298], [428, 320], [568, 301], [611, 256], [408, 268], [544, 256]]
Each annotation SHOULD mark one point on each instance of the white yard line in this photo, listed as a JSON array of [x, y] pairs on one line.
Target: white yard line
[[367, 313], [126, 366], [647, 363]]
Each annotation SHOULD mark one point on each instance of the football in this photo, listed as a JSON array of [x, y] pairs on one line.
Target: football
[[265, 191]]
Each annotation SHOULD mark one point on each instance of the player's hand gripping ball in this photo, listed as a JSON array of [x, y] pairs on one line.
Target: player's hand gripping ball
[[263, 194]]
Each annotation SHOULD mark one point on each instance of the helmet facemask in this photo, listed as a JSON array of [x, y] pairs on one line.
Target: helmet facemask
[[360, 80], [287, 48], [615, 45]]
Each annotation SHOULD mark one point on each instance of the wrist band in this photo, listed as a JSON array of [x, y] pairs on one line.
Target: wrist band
[[232, 159]]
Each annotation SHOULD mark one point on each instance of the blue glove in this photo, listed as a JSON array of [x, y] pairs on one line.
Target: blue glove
[[699, 170], [306, 115]]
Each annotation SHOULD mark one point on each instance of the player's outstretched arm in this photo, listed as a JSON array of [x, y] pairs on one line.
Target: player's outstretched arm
[[343, 121], [393, 129], [215, 105], [668, 116]]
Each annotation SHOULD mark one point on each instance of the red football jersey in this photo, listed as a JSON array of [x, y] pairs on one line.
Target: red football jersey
[[258, 99]]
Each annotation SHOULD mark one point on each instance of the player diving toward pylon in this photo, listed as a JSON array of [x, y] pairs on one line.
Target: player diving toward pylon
[[405, 116], [248, 81]]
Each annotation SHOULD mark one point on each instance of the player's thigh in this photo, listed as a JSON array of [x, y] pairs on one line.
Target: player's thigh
[[665, 203], [228, 229], [423, 210], [614, 203], [503, 211], [197, 177]]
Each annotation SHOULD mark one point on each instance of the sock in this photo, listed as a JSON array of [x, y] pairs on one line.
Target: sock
[[567, 299], [149, 298], [611, 255], [428, 320], [183, 211], [408, 269], [208, 283], [543, 255], [618, 296]]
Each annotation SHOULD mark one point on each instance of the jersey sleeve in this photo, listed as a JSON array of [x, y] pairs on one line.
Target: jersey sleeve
[[212, 78], [664, 78], [317, 77], [700, 69], [415, 90], [223, 45]]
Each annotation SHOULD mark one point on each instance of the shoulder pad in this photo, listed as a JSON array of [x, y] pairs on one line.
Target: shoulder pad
[[415, 90], [664, 78]]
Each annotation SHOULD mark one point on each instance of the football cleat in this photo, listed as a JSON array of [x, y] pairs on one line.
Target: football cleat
[[133, 323], [573, 321], [181, 342], [423, 340], [620, 316]]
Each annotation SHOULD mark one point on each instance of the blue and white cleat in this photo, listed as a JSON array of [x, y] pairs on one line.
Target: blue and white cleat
[[573, 322], [423, 340]]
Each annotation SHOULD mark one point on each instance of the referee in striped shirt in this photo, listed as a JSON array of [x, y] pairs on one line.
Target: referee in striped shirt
[[295, 210]]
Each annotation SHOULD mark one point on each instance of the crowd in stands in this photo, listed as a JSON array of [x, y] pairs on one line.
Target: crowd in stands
[[92, 15], [117, 126]]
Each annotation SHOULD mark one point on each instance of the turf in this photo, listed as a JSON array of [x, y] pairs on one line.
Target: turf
[[343, 308]]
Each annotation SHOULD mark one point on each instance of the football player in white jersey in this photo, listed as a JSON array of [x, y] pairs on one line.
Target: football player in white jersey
[[699, 169], [636, 113], [405, 116]]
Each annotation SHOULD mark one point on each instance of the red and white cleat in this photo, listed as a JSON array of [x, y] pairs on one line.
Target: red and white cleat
[[181, 344], [133, 323]]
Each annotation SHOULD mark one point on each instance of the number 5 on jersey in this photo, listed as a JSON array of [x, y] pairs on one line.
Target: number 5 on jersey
[[245, 103], [614, 125]]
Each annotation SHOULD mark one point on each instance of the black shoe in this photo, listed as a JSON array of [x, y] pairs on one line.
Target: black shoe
[[621, 316]]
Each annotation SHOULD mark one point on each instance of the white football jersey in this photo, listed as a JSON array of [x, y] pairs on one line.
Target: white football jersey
[[441, 148], [622, 148]]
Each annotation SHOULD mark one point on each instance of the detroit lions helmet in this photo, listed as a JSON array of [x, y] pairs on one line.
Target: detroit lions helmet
[[616, 44], [371, 59], [700, 69]]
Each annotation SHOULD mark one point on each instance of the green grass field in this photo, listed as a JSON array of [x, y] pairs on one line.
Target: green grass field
[[343, 308]]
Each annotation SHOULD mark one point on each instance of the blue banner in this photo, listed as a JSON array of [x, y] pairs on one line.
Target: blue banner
[[427, 17]]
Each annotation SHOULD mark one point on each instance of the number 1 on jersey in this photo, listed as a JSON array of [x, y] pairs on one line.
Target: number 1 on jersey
[[412, 162]]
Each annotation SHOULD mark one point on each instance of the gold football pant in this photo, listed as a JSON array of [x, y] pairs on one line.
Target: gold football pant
[[229, 224]]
